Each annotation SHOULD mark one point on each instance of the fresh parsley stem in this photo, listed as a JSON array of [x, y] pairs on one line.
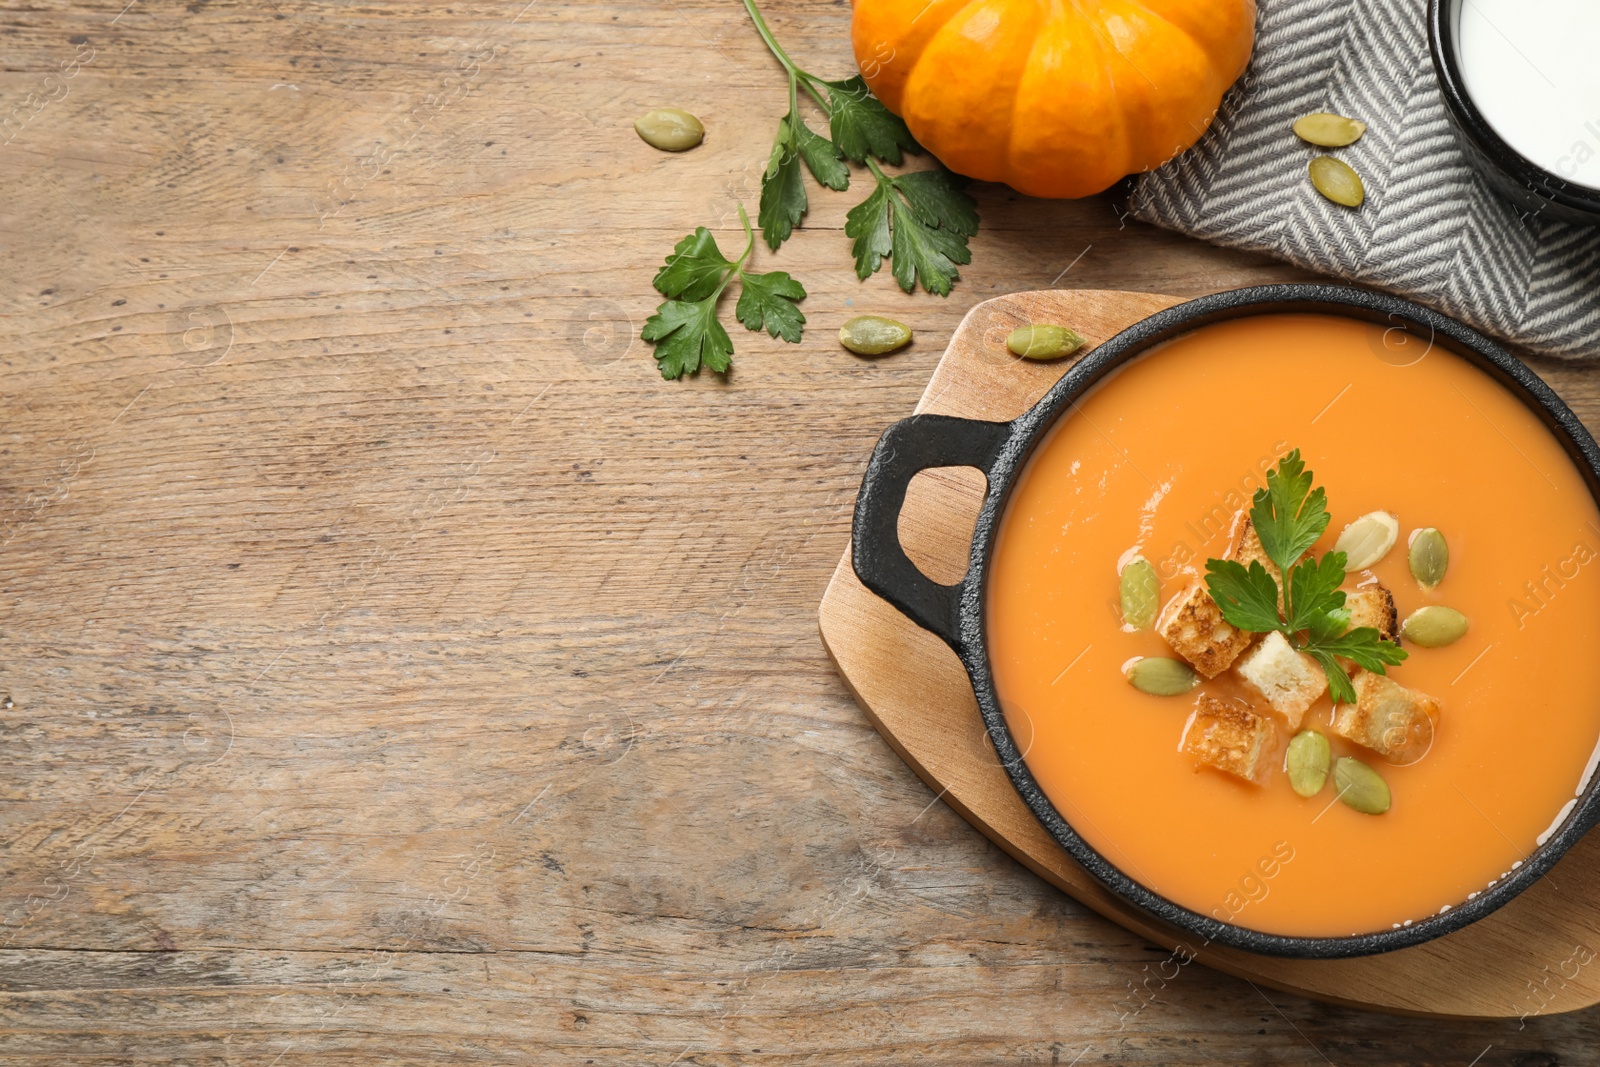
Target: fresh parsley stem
[[884, 181], [766, 35], [749, 239], [811, 88], [1288, 603], [796, 74], [794, 107], [738, 264]]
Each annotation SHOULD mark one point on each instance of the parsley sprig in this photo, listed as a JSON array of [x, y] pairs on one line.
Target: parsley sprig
[[859, 127], [686, 331], [1289, 515], [921, 220]]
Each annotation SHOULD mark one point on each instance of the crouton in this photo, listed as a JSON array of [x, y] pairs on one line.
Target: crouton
[[1388, 718], [1244, 545], [1229, 735], [1373, 605], [1288, 680], [1193, 625]]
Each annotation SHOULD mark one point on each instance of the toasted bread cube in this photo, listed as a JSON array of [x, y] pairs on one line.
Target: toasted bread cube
[[1245, 546], [1288, 680], [1229, 735], [1373, 605], [1193, 625], [1388, 718]]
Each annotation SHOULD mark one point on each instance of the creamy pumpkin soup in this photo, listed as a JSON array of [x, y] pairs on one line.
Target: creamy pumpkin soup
[[1296, 626]]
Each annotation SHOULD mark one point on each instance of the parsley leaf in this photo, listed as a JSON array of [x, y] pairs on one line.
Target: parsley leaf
[[821, 156], [1339, 687], [783, 190], [922, 220], [1365, 648], [868, 224], [694, 270], [926, 254], [1314, 590], [768, 301], [861, 126], [1289, 515], [1248, 598], [939, 201], [686, 331], [687, 334], [1328, 625]]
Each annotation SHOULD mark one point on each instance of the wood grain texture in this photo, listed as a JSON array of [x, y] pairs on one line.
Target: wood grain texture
[[400, 670], [918, 695]]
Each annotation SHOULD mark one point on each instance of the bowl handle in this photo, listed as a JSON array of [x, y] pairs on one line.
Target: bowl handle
[[905, 449]]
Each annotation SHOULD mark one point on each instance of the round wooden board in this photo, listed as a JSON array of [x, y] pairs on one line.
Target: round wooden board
[[1525, 959]]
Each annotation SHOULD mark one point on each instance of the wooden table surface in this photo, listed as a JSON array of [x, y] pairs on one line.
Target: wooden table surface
[[399, 671]]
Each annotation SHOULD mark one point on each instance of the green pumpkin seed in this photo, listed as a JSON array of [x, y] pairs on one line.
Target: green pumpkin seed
[[1335, 180], [1161, 677], [1329, 130], [873, 335], [1307, 763], [1434, 626], [669, 129], [1367, 540], [1043, 341], [1429, 557], [1141, 592], [1361, 787]]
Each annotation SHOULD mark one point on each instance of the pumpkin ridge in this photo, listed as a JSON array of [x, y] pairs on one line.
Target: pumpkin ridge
[[1200, 47], [1056, 11], [1212, 50], [984, 161], [1097, 29], [1142, 148]]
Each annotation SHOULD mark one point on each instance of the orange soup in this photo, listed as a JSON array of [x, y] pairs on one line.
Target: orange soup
[[1157, 460]]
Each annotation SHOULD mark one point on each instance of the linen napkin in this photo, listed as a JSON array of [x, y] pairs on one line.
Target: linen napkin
[[1431, 229]]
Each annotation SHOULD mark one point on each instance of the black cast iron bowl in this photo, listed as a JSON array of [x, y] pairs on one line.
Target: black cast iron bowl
[[1002, 449], [1511, 174]]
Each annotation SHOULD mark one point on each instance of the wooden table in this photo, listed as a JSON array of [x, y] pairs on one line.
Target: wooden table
[[399, 670]]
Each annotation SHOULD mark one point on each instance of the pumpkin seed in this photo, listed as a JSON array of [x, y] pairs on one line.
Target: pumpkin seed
[[669, 129], [1335, 180], [1429, 557], [1329, 130], [1042, 341], [1360, 787], [873, 335], [1161, 677], [1434, 626], [1367, 540], [1307, 763], [1140, 593]]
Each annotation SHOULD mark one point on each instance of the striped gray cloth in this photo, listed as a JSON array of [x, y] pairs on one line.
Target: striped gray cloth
[[1431, 229]]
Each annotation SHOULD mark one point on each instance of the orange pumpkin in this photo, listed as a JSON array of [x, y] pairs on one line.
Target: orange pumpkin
[[1056, 98]]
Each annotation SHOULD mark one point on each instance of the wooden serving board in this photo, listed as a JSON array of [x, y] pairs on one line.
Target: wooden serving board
[[1532, 957]]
